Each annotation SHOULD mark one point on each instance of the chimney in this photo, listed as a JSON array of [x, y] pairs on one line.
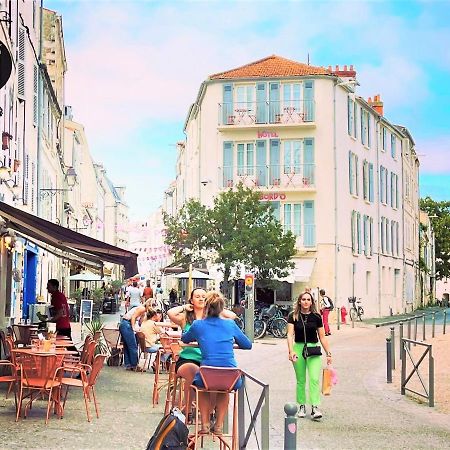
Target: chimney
[[376, 104], [344, 72]]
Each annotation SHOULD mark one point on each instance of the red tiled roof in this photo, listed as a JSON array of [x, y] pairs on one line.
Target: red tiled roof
[[272, 66]]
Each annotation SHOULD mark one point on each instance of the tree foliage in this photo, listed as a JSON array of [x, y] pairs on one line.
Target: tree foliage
[[238, 229], [439, 213]]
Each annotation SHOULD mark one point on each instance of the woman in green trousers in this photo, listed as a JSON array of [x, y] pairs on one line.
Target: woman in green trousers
[[305, 327]]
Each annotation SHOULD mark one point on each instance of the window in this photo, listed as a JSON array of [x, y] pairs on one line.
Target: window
[[371, 190], [299, 219], [393, 146], [383, 138], [371, 235], [388, 237], [382, 234], [292, 156], [365, 127], [292, 218], [244, 97], [356, 233], [245, 159], [365, 180], [353, 173], [292, 95], [355, 120], [394, 190], [227, 164], [350, 119], [382, 184]]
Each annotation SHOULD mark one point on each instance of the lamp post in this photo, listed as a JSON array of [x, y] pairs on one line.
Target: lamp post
[[70, 178]]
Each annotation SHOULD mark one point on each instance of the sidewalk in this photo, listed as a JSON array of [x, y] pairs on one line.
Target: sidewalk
[[362, 412]]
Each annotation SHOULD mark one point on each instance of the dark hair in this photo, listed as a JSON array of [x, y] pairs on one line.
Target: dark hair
[[148, 283], [190, 315], [54, 283], [322, 292], [297, 306], [214, 304], [151, 313], [134, 283]]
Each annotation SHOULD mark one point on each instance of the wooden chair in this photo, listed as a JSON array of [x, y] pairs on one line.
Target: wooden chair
[[219, 380], [175, 383], [88, 378], [37, 379], [164, 352]]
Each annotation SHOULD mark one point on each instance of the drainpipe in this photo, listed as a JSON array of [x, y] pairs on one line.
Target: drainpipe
[[39, 114], [335, 199]]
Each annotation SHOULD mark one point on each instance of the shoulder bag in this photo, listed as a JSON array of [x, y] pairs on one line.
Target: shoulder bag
[[309, 351]]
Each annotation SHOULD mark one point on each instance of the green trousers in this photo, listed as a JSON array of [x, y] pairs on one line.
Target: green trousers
[[314, 366]]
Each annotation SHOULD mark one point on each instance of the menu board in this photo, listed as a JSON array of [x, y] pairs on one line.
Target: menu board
[[86, 310]]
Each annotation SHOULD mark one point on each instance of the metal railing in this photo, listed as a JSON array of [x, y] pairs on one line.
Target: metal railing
[[266, 112], [288, 175], [260, 409], [405, 350]]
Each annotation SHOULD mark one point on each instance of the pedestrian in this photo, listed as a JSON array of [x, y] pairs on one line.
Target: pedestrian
[[60, 309], [148, 291], [173, 296], [326, 305], [215, 336], [134, 295], [189, 359], [305, 329], [128, 326]]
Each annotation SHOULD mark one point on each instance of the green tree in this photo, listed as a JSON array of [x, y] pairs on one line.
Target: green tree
[[439, 213], [238, 229]]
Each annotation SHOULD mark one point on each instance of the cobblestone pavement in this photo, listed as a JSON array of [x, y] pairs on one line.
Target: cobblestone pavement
[[362, 412]]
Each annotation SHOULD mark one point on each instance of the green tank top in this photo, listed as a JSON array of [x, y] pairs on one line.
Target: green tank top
[[192, 353]]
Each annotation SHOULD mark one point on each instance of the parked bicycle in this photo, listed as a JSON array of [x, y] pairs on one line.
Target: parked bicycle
[[356, 310], [271, 321]]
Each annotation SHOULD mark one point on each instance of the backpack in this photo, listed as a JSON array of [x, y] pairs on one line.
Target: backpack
[[331, 307], [171, 433]]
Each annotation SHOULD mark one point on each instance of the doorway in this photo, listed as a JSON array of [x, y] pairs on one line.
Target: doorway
[[29, 280]]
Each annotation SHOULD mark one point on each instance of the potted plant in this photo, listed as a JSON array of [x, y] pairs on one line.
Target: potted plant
[[94, 328], [98, 295]]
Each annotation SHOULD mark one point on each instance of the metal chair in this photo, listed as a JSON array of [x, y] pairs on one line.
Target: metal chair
[[113, 340]]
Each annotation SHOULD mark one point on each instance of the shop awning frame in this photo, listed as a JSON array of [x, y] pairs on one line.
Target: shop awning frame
[[67, 240]]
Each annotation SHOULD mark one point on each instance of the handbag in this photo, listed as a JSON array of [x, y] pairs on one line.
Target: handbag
[[309, 351]]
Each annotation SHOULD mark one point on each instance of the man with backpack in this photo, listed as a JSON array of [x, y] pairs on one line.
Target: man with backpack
[[326, 305]]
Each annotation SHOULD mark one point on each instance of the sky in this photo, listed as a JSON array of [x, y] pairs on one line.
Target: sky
[[135, 67]]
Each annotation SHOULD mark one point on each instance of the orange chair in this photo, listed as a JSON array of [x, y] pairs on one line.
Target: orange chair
[[160, 382], [175, 383], [38, 378], [89, 375], [219, 380], [10, 379]]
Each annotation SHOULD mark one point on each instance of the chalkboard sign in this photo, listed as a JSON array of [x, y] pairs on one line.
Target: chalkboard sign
[[86, 310]]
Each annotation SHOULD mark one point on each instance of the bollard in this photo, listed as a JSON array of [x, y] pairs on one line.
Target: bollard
[[415, 329], [388, 361], [290, 426], [393, 347], [409, 332], [400, 338], [444, 322], [339, 318], [430, 378], [423, 327], [433, 325]]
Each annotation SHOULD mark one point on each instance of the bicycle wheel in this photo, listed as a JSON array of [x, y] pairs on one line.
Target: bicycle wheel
[[259, 328], [240, 323], [360, 312], [353, 313], [279, 327]]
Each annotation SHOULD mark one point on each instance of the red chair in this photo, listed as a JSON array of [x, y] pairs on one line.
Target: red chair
[[88, 378], [11, 378]]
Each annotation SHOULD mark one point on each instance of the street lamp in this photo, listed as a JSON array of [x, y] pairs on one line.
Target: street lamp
[[70, 178]]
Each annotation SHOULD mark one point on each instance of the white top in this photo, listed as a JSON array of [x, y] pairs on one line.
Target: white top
[[134, 294]]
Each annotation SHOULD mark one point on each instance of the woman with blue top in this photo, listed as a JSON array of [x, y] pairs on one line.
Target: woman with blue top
[[189, 359], [215, 336]]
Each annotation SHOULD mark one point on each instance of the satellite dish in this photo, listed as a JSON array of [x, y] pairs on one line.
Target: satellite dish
[[5, 64]]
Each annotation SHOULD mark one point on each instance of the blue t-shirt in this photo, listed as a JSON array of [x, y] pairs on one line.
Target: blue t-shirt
[[215, 337]]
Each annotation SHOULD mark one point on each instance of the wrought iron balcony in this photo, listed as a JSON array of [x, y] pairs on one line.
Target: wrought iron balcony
[[305, 234], [244, 114], [282, 176]]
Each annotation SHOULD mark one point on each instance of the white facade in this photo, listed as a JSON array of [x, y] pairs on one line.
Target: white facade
[[327, 160]]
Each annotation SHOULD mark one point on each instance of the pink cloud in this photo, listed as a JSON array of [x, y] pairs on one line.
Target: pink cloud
[[434, 155]]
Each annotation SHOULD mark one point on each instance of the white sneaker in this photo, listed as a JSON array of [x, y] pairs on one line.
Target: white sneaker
[[315, 413], [301, 413]]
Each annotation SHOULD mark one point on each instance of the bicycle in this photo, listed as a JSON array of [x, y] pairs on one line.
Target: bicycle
[[356, 310], [271, 320]]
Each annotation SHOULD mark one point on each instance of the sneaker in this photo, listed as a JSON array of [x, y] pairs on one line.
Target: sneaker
[[315, 413], [301, 413]]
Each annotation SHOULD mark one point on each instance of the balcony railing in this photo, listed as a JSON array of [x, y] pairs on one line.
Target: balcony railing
[[305, 234], [268, 112], [285, 176]]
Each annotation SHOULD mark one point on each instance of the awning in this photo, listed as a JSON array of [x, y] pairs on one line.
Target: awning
[[196, 274], [85, 276], [67, 240], [302, 270]]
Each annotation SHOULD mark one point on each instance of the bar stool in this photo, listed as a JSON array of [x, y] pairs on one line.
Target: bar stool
[[174, 381], [220, 380], [160, 382]]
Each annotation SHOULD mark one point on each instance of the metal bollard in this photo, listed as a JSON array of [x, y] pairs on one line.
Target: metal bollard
[[409, 332], [290, 426], [388, 360], [393, 347], [423, 328], [445, 322], [400, 337], [415, 329], [433, 325], [430, 378], [339, 318]]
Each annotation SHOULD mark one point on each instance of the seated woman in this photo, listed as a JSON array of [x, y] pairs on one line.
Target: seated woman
[[216, 337], [151, 331]]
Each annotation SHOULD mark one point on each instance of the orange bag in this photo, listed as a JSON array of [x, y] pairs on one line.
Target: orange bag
[[326, 381]]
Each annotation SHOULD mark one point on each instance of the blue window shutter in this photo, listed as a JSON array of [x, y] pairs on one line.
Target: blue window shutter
[[350, 172], [261, 163], [261, 103], [349, 116], [356, 175], [369, 131], [227, 104], [308, 98], [353, 231], [309, 232], [276, 209], [371, 182], [363, 138], [228, 164], [308, 161], [274, 171], [274, 102]]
